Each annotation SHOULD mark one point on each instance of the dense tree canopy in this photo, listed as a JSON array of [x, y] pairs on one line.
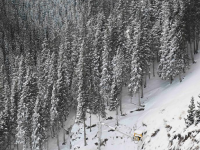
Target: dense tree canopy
[[57, 55]]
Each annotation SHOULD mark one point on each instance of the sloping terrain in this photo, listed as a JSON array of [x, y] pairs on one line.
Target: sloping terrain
[[162, 120]]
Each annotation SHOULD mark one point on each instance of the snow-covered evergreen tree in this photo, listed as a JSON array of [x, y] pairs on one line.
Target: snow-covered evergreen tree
[[98, 104], [173, 50], [117, 80], [26, 109], [5, 119], [14, 98], [82, 90], [197, 114], [62, 86], [39, 131], [136, 63], [83, 81], [191, 113], [21, 72], [113, 96], [106, 79], [54, 107], [163, 68]]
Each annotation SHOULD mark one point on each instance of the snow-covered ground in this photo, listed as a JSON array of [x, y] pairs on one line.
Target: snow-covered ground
[[165, 109]]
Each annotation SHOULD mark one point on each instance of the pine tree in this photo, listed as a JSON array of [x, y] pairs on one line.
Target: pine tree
[[83, 99], [99, 104], [106, 79], [197, 114], [62, 86], [55, 113], [136, 63], [113, 96], [173, 50], [21, 72], [6, 120], [39, 130], [14, 98], [25, 111], [191, 113], [117, 80], [54, 107]]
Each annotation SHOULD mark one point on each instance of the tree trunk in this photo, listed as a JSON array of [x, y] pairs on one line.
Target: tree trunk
[[180, 79], [84, 127], [99, 133], [145, 80], [131, 97], [157, 57], [52, 132], [171, 79], [90, 121], [149, 72], [107, 101], [57, 136], [183, 70], [30, 142], [153, 67], [191, 52], [194, 45], [47, 143], [120, 102], [197, 42], [64, 139], [47, 140], [142, 88], [117, 120], [139, 103]]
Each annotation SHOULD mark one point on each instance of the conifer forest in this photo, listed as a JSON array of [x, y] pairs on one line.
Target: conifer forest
[[63, 55]]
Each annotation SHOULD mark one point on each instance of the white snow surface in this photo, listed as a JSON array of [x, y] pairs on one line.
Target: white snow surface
[[165, 106]]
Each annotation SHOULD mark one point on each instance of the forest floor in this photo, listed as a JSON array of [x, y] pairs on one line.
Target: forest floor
[[165, 105]]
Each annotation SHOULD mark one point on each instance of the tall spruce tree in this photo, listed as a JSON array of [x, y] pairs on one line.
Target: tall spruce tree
[[117, 81], [136, 63], [197, 113], [6, 120], [83, 100], [26, 109], [164, 70], [191, 113], [106, 78]]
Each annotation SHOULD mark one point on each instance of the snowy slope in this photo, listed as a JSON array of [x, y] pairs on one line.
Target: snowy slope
[[165, 109]]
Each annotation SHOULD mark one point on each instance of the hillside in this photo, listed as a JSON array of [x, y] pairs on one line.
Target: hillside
[[67, 67], [165, 106]]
